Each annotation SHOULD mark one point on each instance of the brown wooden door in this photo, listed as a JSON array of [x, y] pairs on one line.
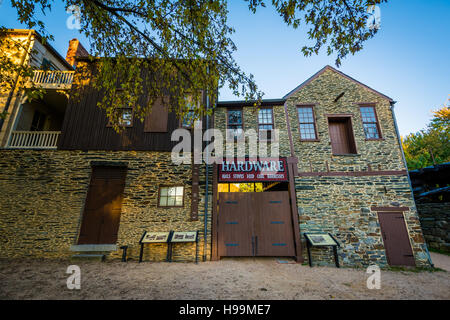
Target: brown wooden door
[[273, 224], [341, 136], [255, 224], [235, 225], [396, 239], [101, 217]]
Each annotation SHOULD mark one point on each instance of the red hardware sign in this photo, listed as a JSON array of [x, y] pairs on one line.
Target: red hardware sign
[[253, 170]]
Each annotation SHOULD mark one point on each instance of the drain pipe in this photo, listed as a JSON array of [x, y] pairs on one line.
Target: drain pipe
[[205, 216], [407, 172]]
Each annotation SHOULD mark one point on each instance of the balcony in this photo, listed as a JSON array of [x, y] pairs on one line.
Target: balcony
[[60, 80], [33, 139]]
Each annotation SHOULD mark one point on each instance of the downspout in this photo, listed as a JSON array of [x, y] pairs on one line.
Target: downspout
[[205, 217], [11, 93], [407, 171]]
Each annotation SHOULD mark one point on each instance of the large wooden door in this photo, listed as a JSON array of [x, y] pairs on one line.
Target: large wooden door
[[101, 217], [235, 225], [273, 224], [255, 224], [396, 239]]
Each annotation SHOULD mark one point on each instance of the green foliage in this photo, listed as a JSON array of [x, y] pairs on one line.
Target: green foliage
[[186, 45], [430, 146]]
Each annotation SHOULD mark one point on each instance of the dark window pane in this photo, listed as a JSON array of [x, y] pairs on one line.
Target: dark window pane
[[234, 117]]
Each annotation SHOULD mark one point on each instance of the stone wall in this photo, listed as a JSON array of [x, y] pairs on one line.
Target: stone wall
[[342, 206], [250, 119], [42, 196], [435, 221], [384, 154]]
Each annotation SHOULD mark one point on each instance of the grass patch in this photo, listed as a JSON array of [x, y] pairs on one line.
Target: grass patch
[[413, 269], [439, 251]]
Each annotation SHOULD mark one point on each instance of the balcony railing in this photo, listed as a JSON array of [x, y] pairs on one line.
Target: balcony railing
[[34, 139], [53, 79]]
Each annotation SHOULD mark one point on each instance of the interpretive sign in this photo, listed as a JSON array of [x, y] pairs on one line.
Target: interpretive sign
[[321, 240], [155, 237], [184, 236]]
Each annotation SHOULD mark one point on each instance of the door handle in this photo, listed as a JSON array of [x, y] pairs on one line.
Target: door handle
[[253, 246], [256, 245]]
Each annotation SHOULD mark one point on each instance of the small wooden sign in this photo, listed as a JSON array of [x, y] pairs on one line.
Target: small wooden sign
[[184, 236], [155, 237]]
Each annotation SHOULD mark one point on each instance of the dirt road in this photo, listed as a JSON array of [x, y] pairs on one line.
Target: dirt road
[[226, 279]]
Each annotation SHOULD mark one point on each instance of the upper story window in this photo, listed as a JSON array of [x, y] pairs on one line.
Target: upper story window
[[126, 117], [124, 114], [47, 65], [265, 123], [234, 123], [189, 120], [188, 117], [171, 196], [370, 123], [307, 123]]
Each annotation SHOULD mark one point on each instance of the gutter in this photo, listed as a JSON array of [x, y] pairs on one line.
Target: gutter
[[205, 216]]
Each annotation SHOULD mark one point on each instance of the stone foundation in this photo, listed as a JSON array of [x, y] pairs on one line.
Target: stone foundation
[[435, 221]]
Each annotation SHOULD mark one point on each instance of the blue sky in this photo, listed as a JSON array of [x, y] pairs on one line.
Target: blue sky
[[408, 60]]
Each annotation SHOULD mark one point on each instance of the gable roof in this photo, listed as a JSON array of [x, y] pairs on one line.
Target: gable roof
[[317, 74], [46, 44]]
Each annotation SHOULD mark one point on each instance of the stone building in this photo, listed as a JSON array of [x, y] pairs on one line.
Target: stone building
[[338, 169], [346, 173]]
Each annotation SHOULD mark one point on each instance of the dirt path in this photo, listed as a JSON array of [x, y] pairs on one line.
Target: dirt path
[[227, 279]]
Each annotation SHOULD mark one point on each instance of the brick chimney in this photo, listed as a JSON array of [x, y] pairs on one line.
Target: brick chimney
[[74, 51]]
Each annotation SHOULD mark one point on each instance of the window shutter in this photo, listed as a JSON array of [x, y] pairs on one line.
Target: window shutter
[[156, 120]]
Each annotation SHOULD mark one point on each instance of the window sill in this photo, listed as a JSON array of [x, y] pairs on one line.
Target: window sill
[[347, 155], [380, 139], [309, 140], [169, 207]]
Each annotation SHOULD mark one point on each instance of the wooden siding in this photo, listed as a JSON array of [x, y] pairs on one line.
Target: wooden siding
[[85, 127]]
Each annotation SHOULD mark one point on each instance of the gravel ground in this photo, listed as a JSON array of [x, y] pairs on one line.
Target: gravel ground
[[440, 261], [226, 279]]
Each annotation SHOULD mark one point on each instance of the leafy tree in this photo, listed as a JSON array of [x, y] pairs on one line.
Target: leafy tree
[[187, 44], [430, 146]]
